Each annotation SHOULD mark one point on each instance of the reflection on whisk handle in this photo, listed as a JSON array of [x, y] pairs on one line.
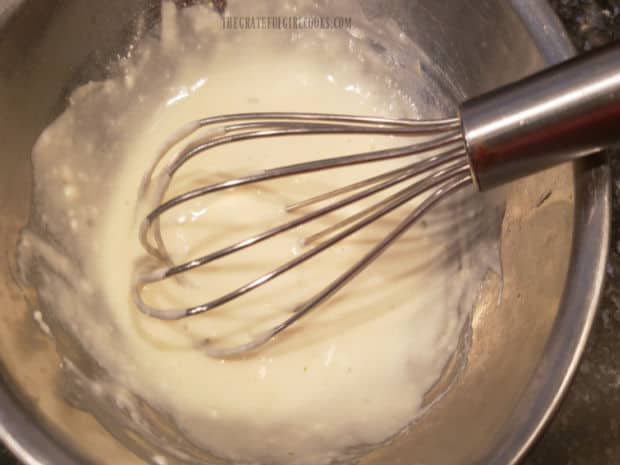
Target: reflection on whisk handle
[[562, 113]]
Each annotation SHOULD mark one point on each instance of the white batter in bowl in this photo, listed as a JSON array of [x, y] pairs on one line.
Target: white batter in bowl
[[352, 374]]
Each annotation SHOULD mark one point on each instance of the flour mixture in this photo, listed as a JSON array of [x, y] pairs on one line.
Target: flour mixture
[[350, 375]]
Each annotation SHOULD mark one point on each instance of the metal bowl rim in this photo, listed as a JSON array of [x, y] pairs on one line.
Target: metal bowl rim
[[32, 444]]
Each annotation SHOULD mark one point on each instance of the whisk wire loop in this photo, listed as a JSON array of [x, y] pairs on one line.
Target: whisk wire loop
[[439, 167]]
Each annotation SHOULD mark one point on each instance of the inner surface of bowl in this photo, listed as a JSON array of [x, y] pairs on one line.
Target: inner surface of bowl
[[517, 363]]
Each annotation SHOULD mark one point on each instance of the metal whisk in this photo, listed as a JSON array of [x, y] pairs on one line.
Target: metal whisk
[[563, 113]]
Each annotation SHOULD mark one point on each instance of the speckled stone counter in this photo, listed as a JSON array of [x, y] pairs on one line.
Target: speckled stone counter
[[586, 429]]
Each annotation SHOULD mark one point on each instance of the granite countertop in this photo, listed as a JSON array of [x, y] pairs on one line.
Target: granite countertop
[[586, 429]]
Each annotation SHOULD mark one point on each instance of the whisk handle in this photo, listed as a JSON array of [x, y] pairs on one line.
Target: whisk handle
[[562, 113]]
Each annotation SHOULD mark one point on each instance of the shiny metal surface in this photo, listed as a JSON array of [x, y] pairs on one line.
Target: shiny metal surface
[[524, 346], [566, 112]]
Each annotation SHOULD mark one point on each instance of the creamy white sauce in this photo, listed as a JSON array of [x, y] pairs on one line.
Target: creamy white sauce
[[351, 374]]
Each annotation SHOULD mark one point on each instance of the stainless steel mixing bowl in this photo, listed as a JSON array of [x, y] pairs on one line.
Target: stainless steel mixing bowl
[[526, 339]]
